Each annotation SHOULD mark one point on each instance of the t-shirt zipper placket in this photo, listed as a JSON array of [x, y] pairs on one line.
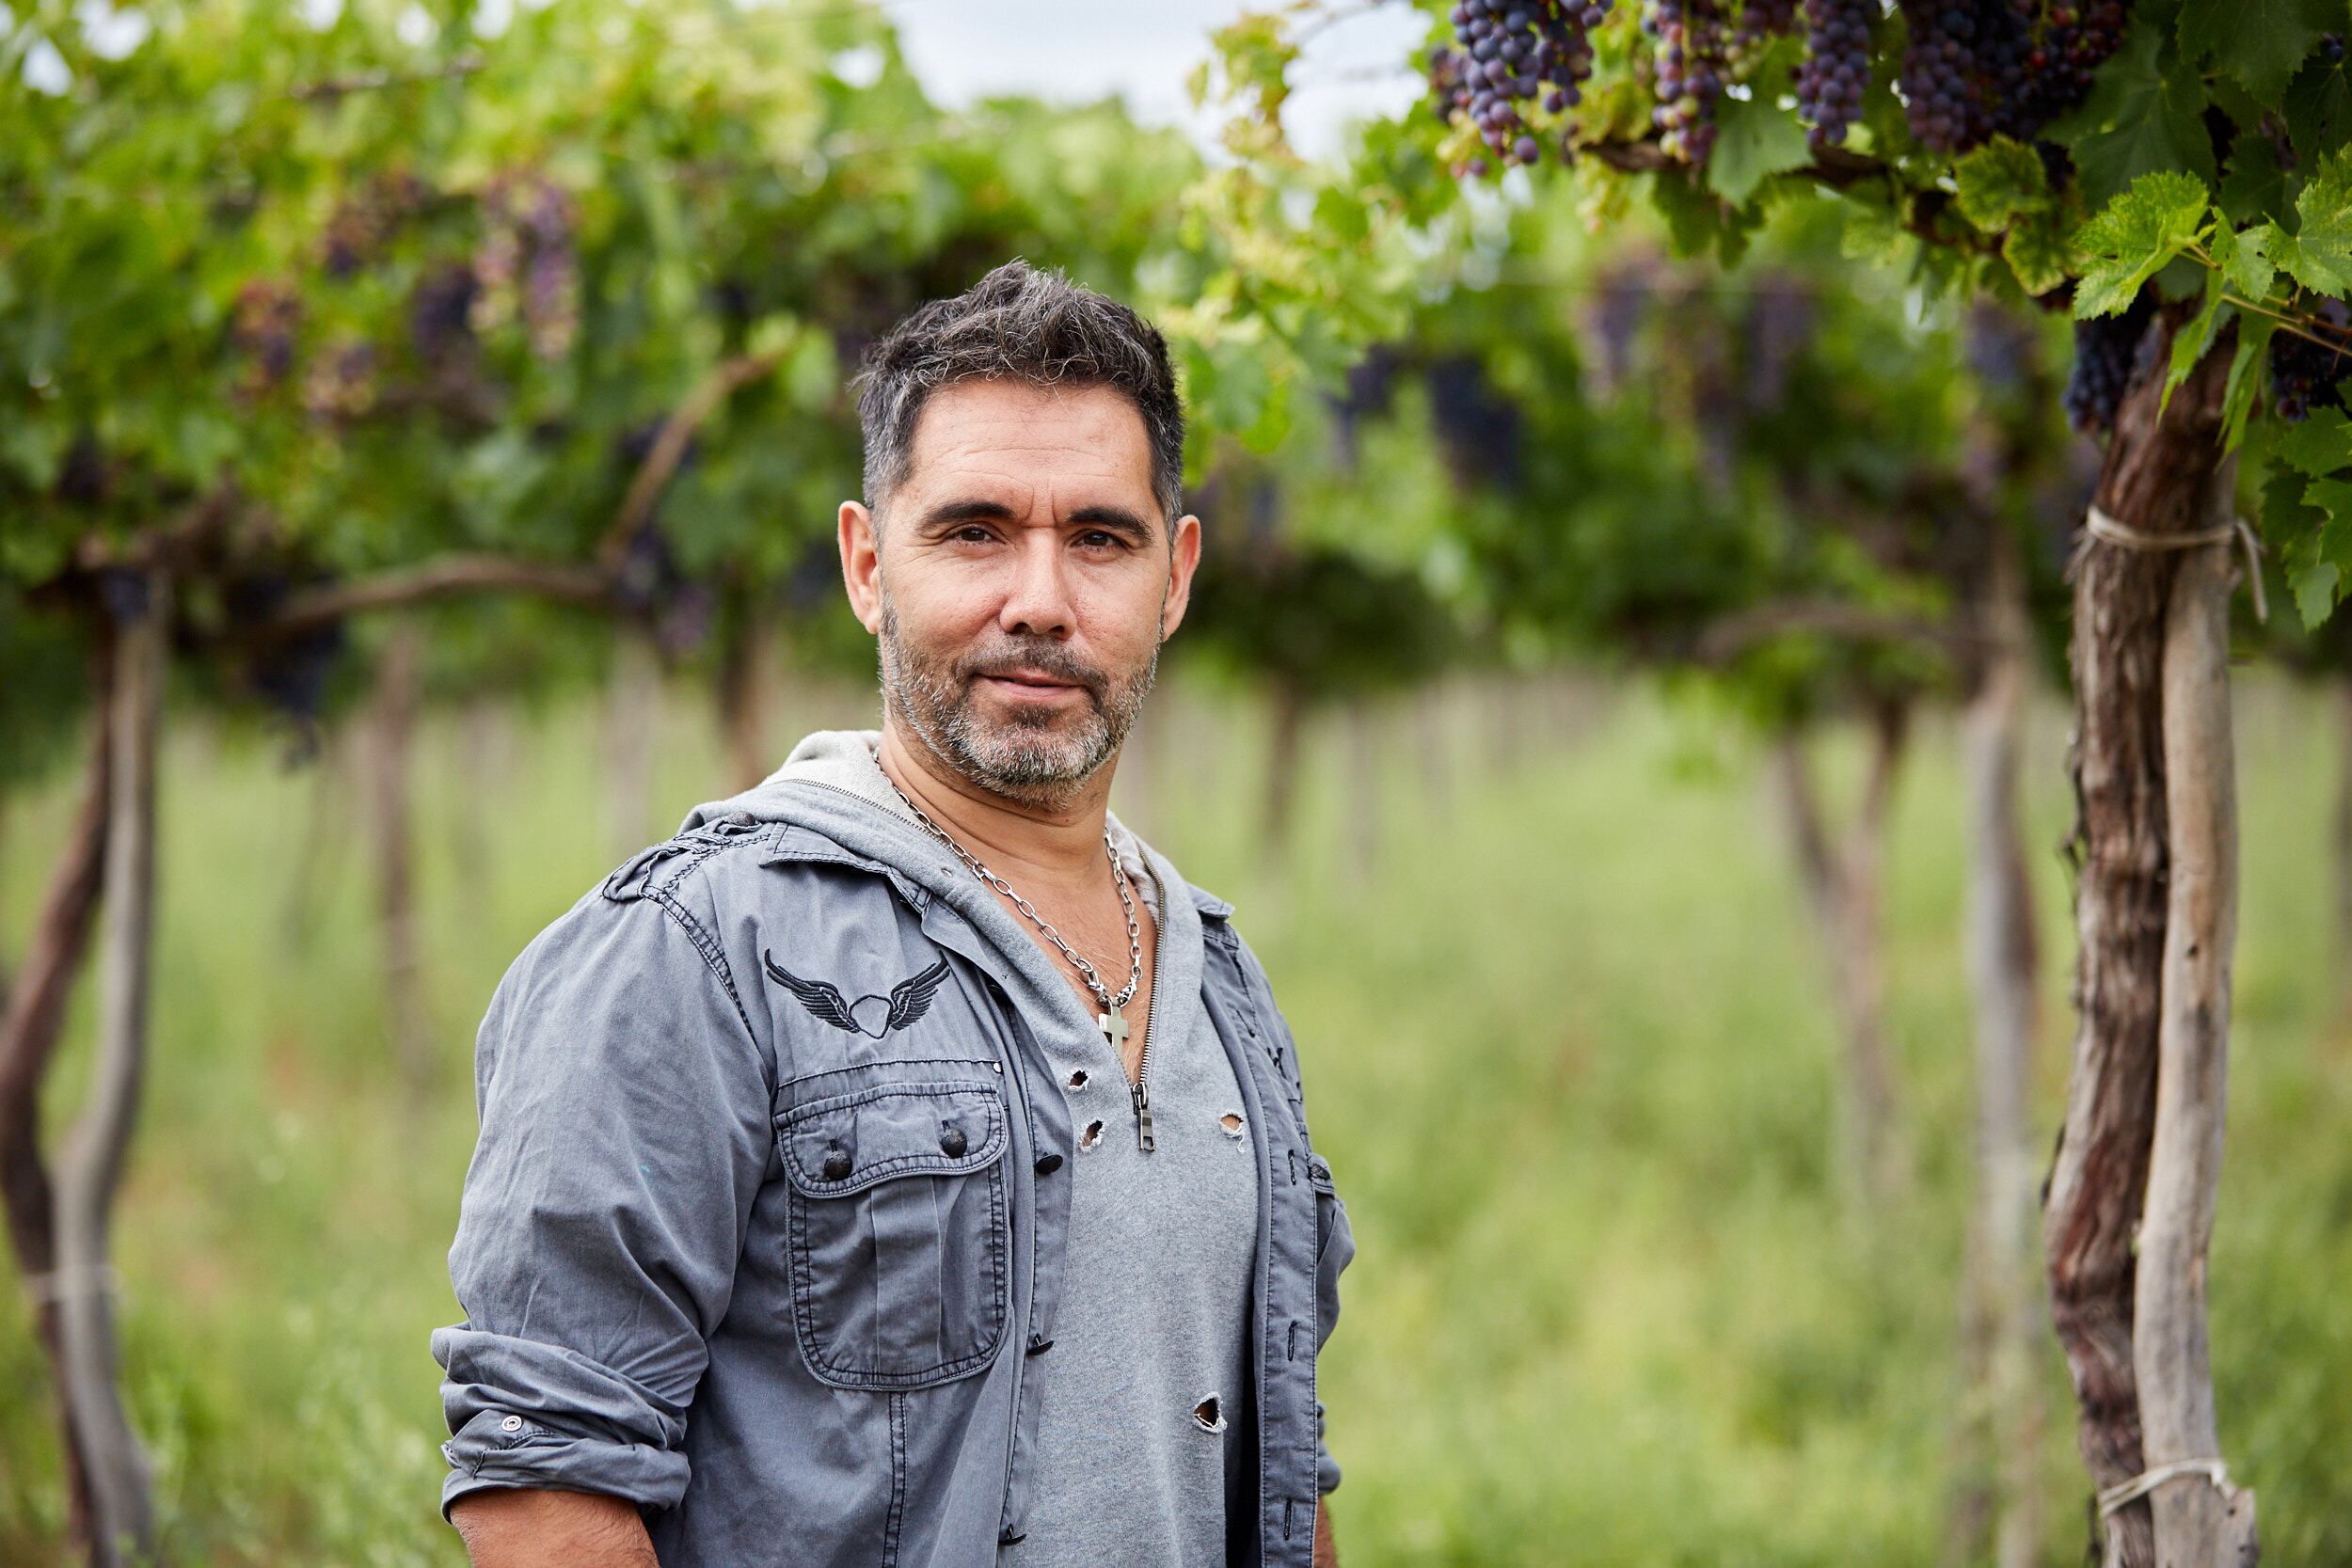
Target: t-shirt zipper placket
[[1140, 1091]]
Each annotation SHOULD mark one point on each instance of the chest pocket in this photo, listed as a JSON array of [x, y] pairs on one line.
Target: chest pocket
[[898, 1230]]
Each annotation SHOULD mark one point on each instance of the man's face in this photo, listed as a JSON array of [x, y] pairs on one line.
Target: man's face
[[1023, 584]]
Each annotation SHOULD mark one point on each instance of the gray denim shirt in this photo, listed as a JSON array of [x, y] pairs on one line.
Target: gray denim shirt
[[766, 1222]]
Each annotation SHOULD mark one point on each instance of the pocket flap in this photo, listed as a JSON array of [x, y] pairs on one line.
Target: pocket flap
[[851, 1141]]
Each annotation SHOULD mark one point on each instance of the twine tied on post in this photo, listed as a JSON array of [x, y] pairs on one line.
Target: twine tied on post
[[2127, 1492], [2107, 531]]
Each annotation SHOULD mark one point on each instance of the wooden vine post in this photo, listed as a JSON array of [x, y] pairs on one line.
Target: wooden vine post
[[2128, 1213], [90, 1167]]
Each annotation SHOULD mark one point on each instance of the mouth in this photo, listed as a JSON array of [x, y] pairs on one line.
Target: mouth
[[1033, 685]]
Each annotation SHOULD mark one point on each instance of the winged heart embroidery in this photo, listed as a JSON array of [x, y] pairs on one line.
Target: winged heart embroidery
[[908, 1000]]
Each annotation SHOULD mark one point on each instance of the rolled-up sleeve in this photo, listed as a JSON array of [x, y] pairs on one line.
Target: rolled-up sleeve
[[1339, 1246], [1337, 1253], [625, 1133]]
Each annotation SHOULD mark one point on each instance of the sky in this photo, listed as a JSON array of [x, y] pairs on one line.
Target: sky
[[1143, 50]]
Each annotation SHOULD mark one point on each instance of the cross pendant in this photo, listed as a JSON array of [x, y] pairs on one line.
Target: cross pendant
[[1114, 1027]]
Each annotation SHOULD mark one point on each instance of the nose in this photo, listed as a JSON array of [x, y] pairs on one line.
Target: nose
[[1036, 601]]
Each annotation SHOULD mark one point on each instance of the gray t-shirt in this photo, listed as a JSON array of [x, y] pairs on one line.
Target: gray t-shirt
[[1141, 1420]]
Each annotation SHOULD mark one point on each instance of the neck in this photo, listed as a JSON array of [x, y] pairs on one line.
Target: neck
[[1062, 841]]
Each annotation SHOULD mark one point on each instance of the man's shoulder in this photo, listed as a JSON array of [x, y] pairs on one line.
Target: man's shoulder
[[658, 871]]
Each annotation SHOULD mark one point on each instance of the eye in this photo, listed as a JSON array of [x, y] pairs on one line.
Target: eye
[[1096, 539], [972, 533]]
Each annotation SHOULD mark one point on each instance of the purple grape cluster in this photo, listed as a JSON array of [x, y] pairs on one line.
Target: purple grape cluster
[[1999, 348], [2304, 374], [1371, 393], [1612, 323], [1479, 430], [2106, 351], [1512, 51], [339, 385], [366, 218], [1760, 21], [1942, 99], [1779, 324], [290, 672], [2063, 52], [529, 256], [1976, 68], [1836, 69], [261, 331], [1692, 38], [440, 314]]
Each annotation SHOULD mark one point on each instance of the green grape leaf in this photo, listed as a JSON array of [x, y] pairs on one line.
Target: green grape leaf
[[2141, 230], [2243, 259], [1754, 139], [2194, 338], [1698, 221], [2037, 252], [1998, 182], [2238, 397], [2255, 186], [2320, 583], [2258, 41], [2291, 529], [2318, 254], [2145, 115], [2317, 447], [2318, 104], [1872, 232]]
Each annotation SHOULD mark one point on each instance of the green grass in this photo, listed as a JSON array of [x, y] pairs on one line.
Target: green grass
[[1566, 1045]]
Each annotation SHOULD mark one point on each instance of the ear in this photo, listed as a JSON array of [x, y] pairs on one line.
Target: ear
[[1184, 558], [861, 564]]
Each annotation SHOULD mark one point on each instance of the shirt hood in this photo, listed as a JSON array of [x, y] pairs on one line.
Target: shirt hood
[[831, 783]]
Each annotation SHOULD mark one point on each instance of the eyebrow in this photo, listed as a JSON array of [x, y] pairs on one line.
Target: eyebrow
[[1117, 519]]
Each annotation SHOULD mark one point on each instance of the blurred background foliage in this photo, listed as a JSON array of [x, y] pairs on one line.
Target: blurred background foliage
[[475, 381]]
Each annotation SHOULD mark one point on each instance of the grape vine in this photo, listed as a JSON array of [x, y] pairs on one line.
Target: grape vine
[[1692, 41], [2106, 350], [2304, 373], [1836, 68], [1512, 51]]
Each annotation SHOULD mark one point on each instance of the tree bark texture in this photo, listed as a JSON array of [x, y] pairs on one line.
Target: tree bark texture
[[29, 1033], [90, 1167], [2156, 478], [2200, 1522]]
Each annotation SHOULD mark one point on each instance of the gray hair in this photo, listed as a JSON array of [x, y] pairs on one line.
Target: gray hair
[[1018, 324]]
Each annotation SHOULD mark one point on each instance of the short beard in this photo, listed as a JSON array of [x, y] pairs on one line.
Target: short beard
[[1033, 762]]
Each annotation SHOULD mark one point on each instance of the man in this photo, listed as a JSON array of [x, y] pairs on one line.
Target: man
[[904, 1164]]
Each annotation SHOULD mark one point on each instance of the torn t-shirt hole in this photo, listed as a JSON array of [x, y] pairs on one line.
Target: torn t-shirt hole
[[1230, 1121], [1209, 1415], [1078, 1078], [1092, 1136]]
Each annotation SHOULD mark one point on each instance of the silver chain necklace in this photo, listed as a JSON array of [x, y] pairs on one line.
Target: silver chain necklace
[[1110, 1020]]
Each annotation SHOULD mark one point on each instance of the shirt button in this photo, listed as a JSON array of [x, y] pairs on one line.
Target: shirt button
[[1049, 1164], [511, 1424], [740, 819], [836, 1165], [952, 1141]]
